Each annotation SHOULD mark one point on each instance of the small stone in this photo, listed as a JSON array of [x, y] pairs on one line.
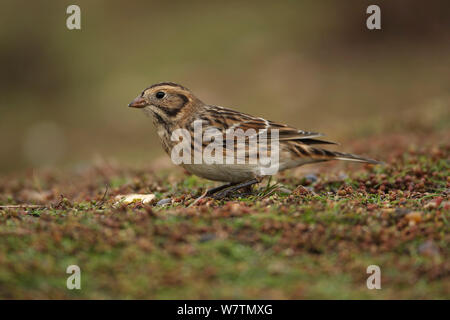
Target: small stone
[[164, 202], [284, 190], [135, 197], [311, 177], [207, 237]]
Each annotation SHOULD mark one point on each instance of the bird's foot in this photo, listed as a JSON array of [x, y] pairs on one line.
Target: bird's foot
[[210, 192], [223, 191]]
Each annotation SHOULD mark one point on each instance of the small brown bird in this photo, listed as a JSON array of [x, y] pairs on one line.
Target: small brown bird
[[172, 107]]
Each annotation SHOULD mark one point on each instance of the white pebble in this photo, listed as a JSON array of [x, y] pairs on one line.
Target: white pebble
[[135, 197]]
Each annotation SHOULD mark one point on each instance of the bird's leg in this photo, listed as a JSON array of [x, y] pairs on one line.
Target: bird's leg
[[222, 191], [212, 191], [235, 187]]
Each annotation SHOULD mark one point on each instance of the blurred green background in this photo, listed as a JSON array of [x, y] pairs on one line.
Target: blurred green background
[[312, 64]]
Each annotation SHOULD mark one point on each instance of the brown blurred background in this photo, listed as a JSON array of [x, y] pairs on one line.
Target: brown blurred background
[[312, 64]]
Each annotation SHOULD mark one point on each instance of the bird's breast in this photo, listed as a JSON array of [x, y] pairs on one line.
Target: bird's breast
[[223, 172]]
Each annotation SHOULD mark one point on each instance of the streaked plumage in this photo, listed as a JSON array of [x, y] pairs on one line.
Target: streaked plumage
[[173, 106]]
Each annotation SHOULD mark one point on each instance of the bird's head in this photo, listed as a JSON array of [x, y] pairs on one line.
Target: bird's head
[[166, 100]]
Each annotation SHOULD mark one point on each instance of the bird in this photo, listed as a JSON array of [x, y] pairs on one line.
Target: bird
[[174, 107]]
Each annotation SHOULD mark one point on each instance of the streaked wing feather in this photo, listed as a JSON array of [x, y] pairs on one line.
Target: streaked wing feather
[[231, 119]]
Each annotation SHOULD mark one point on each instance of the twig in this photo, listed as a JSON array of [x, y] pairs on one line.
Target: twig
[[25, 206], [103, 198]]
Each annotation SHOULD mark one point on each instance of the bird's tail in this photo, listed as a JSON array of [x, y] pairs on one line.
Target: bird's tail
[[335, 155], [354, 157]]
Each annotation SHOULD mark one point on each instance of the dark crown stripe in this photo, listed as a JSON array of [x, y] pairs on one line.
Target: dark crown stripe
[[170, 84]]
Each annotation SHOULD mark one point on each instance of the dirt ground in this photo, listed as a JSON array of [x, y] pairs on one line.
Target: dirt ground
[[306, 233]]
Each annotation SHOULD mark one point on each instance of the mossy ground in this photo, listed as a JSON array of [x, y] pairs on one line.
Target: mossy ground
[[313, 242]]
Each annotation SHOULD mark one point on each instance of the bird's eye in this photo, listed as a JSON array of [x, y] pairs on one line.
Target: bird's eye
[[160, 95]]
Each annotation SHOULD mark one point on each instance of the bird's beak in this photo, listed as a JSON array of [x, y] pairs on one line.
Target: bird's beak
[[139, 102]]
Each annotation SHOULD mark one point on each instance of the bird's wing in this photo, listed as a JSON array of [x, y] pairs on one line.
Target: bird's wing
[[298, 143], [227, 119]]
